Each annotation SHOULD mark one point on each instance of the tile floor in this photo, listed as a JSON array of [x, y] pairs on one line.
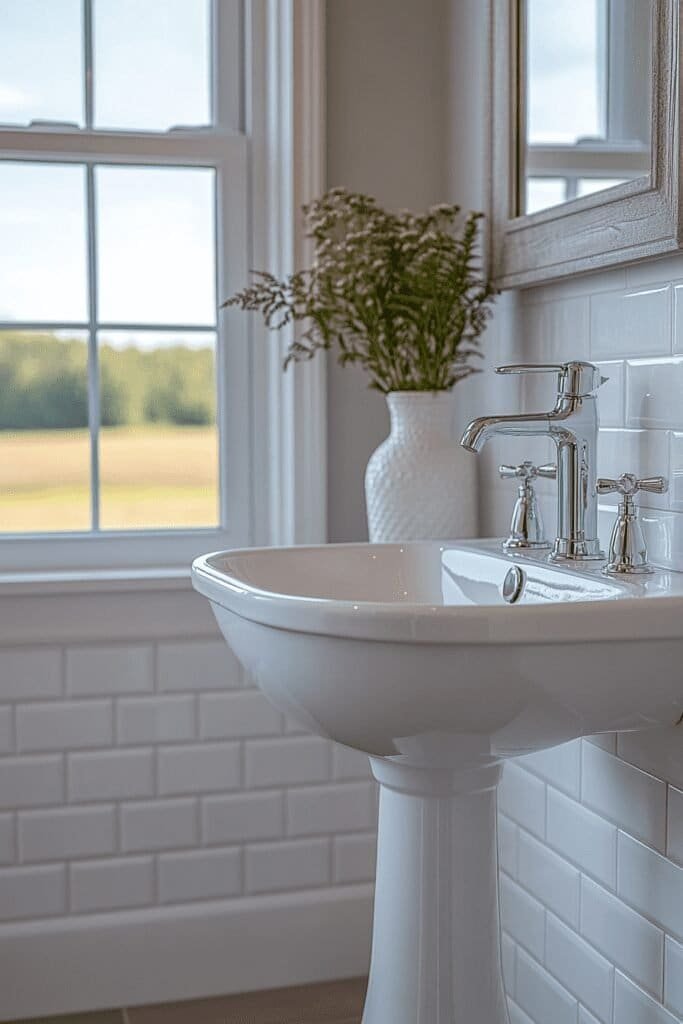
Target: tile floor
[[336, 1002]]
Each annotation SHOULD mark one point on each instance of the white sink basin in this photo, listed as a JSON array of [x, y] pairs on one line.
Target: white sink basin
[[412, 654], [399, 649]]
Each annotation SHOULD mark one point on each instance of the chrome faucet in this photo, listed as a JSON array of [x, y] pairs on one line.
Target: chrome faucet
[[573, 426]]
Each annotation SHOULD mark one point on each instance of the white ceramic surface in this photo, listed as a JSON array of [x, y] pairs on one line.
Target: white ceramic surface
[[420, 483], [410, 653], [456, 661]]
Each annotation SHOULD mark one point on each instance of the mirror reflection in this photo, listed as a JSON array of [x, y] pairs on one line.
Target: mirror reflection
[[585, 98]]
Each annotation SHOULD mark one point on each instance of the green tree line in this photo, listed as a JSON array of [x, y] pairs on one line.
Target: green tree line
[[44, 384]]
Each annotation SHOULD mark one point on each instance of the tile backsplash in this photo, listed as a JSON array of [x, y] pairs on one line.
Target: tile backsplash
[[629, 322], [591, 833]]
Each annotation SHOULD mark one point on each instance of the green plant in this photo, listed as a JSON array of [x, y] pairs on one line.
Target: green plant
[[401, 294]]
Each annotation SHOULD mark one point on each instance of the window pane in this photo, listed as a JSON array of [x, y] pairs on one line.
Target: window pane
[[41, 61], [151, 63], [44, 438], [158, 440], [587, 186], [43, 253], [542, 193], [155, 241], [565, 73]]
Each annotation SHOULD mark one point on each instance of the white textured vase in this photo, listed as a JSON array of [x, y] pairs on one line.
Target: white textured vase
[[420, 484]]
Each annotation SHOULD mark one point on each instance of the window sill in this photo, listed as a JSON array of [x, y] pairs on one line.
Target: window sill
[[102, 606], [103, 581]]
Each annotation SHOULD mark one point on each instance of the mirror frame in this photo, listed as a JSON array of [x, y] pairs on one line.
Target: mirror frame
[[637, 220]]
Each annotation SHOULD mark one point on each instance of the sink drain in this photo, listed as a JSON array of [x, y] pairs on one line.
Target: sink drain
[[513, 585]]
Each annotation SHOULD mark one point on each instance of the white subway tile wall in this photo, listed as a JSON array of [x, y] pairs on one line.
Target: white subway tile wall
[[200, 875], [7, 839], [355, 857], [146, 774], [605, 816], [673, 971], [674, 846], [6, 730], [111, 884], [277, 867], [583, 972]]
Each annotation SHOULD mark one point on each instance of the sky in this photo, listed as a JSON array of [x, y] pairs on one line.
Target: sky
[[151, 62], [155, 227], [563, 70]]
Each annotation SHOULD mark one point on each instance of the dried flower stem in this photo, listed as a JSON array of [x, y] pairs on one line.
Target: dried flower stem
[[400, 294]]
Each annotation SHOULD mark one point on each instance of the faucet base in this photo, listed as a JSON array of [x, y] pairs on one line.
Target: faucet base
[[624, 569], [568, 550], [516, 544]]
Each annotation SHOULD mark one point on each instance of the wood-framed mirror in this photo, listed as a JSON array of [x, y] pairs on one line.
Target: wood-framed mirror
[[586, 155]]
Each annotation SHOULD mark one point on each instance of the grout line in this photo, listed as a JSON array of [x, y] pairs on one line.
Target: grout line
[[15, 839], [67, 887], [65, 779], [155, 771], [663, 970], [330, 860], [243, 765], [62, 672], [156, 885], [117, 828], [334, 857], [243, 869], [155, 666], [197, 822], [284, 811]]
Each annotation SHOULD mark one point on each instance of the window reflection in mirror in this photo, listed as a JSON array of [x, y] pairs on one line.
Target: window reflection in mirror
[[586, 98]]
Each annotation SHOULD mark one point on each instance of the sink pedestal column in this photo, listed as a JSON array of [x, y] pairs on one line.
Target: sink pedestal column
[[436, 940]]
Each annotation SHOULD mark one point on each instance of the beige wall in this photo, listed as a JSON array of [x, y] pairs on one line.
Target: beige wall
[[387, 85]]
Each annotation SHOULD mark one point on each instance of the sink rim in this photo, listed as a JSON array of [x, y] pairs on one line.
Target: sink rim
[[631, 616]]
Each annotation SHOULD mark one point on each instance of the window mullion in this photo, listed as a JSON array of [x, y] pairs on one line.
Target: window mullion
[[93, 355], [168, 328], [88, 62], [44, 325]]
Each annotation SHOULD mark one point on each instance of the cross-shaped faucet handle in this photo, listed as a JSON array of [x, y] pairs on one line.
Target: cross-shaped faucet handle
[[628, 484], [527, 471]]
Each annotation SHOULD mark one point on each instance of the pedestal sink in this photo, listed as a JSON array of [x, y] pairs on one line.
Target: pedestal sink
[[441, 660]]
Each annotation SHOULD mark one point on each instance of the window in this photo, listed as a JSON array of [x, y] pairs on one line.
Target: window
[[122, 214]]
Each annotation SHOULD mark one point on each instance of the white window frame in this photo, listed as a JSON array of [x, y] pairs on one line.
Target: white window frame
[[270, 135]]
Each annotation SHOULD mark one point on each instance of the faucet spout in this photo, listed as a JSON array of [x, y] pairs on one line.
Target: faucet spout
[[479, 431]]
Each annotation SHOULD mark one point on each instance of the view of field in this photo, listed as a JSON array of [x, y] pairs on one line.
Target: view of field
[[158, 443], [150, 476]]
